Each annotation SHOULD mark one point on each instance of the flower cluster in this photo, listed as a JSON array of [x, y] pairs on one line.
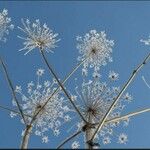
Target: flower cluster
[[53, 115], [95, 49], [5, 24], [95, 99], [37, 36]]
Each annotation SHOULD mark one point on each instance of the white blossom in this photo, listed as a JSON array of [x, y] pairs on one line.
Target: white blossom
[[37, 36], [106, 140], [95, 49], [113, 76], [53, 115], [5, 24], [45, 139], [75, 145], [94, 100], [122, 139]]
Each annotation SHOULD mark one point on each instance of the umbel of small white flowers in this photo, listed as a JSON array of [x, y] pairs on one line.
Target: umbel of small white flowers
[[95, 49], [5, 24], [94, 99], [54, 114], [37, 36]]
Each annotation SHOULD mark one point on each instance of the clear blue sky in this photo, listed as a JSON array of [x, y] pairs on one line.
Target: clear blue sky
[[124, 22]]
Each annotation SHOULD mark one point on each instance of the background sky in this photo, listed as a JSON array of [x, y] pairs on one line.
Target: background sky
[[124, 22]]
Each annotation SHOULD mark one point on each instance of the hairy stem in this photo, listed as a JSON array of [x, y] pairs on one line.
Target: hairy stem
[[26, 136], [134, 73], [12, 89], [60, 84]]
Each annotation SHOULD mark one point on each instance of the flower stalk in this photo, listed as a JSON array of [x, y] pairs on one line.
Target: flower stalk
[[134, 73]]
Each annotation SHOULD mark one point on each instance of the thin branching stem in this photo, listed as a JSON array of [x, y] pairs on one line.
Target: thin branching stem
[[12, 110], [134, 73], [69, 138], [131, 114], [128, 115], [58, 88], [26, 135], [12, 89], [60, 84]]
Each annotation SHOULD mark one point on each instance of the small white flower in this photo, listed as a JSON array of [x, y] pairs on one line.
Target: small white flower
[[113, 76], [106, 140], [37, 36], [12, 114], [95, 48], [128, 97], [146, 42], [45, 139], [122, 139], [5, 24], [40, 72], [75, 145], [18, 89]]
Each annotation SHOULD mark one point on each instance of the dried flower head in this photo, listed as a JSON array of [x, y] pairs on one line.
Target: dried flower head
[[53, 115], [95, 99], [37, 36], [95, 48], [5, 24]]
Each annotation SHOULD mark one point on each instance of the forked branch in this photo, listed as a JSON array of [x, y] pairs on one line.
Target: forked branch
[[134, 73]]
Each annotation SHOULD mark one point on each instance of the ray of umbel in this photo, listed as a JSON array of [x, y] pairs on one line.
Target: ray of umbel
[[12, 89], [120, 94], [57, 89], [51, 70]]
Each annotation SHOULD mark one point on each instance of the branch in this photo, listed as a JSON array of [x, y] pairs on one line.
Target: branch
[[120, 94], [59, 88], [128, 115], [60, 84], [68, 139], [12, 89]]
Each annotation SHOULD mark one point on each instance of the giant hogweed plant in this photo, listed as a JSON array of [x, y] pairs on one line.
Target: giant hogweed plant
[[46, 105]]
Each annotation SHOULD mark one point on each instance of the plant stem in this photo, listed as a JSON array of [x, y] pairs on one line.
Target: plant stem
[[59, 88], [26, 136], [60, 84], [120, 94], [68, 139], [88, 134], [12, 89], [128, 115]]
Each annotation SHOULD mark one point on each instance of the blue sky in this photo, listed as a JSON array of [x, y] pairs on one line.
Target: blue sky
[[124, 22]]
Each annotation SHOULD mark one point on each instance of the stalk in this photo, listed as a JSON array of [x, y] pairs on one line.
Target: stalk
[[26, 136]]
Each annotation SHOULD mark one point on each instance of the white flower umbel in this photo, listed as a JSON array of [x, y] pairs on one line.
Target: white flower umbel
[[5, 24], [95, 98], [53, 115], [37, 36], [95, 48]]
